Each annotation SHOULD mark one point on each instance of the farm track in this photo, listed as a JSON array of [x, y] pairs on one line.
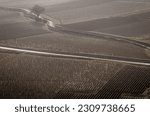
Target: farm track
[[83, 56]]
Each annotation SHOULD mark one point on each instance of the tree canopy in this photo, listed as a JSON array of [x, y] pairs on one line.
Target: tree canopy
[[37, 10]]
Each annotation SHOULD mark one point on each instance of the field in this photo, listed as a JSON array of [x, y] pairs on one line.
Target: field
[[13, 26], [42, 77], [123, 17], [135, 25], [128, 80], [16, 30], [85, 10], [101, 14], [61, 42], [71, 11], [5, 17], [32, 76]]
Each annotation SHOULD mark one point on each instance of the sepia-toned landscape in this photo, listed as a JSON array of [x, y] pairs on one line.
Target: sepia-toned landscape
[[77, 49]]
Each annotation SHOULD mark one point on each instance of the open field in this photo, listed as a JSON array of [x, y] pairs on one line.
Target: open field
[[86, 10], [13, 26], [124, 17], [61, 42], [46, 77], [42, 77], [3, 56], [8, 17], [98, 15], [134, 25], [20, 29], [130, 79], [71, 11]]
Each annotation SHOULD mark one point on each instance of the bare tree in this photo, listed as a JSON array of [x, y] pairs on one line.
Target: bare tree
[[37, 10]]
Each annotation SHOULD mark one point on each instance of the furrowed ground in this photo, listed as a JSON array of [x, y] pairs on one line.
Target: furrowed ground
[[62, 42], [25, 76]]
